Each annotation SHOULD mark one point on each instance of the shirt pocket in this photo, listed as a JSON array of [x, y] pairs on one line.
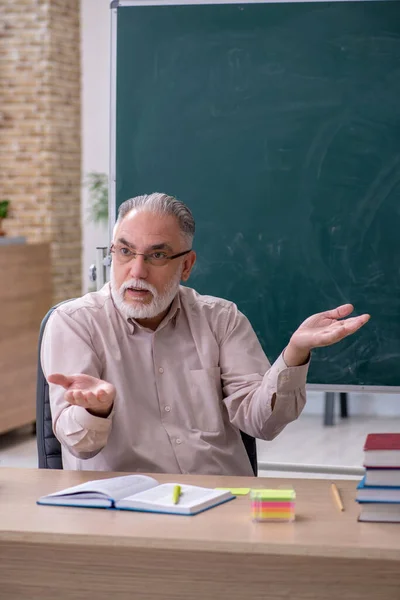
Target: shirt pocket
[[206, 396]]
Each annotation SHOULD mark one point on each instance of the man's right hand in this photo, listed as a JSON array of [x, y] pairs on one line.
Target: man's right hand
[[96, 395]]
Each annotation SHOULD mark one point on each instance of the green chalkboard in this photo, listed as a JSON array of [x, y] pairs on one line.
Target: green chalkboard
[[279, 125]]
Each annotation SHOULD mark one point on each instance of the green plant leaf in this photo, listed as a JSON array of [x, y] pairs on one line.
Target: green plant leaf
[[97, 184], [4, 206]]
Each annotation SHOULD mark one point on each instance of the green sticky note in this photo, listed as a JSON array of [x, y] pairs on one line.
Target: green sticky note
[[273, 495], [236, 491]]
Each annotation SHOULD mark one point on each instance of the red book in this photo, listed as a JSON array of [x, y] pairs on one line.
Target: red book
[[382, 450], [382, 441]]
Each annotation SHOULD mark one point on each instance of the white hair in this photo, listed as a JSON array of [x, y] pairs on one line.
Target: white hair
[[164, 205]]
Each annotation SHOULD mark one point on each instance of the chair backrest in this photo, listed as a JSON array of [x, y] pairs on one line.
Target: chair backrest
[[251, 449], [48, 446]]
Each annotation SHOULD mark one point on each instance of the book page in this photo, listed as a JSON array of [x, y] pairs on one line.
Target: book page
[[114, 487], [191, 496]]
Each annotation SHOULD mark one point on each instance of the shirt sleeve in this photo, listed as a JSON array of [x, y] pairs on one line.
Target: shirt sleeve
[[67, 348], [250, 383]]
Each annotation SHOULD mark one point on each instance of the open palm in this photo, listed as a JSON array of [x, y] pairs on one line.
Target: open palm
[[326, 328], [91, 393]]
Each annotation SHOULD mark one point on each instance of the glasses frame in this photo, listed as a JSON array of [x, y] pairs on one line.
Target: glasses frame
[[147, 257]]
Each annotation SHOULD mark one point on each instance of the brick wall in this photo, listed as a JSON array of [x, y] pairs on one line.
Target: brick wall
[[40, 146]]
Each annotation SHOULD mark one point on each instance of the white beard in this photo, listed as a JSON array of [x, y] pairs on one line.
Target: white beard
[[158, 304]]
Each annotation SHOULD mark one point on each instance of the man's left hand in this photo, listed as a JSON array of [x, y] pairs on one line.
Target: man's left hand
[[322, 329]]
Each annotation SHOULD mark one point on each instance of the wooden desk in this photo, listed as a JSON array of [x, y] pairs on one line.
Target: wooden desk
[[63, 553]]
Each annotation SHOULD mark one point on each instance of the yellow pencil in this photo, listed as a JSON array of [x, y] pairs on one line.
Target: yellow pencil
[[176, 494], [336, 496]]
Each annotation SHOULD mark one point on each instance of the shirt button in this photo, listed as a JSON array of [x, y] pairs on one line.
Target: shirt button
[[178, 441], [161, 370], [167, 409]]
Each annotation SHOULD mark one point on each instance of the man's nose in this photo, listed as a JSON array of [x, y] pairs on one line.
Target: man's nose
[[138, 267]]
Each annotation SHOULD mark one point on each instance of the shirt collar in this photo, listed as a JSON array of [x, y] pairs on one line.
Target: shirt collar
[[175, 309]]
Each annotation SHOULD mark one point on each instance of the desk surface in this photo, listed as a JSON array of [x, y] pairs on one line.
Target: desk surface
[[320, 529]]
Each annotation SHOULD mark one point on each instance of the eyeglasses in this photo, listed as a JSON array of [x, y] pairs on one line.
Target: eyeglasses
[[158, 258]]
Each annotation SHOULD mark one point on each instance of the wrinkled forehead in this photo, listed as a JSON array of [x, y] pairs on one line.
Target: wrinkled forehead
[[144, 228]]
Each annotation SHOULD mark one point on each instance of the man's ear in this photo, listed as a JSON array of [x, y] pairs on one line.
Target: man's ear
[[188, 265]]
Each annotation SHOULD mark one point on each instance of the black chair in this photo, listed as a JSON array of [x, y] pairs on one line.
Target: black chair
[[251, 449], [48, 446]]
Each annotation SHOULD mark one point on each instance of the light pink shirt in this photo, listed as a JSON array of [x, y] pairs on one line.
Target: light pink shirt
[[183, 391]]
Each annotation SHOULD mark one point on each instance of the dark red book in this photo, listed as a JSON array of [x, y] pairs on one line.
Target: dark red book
[[382, 450], [382, 441]]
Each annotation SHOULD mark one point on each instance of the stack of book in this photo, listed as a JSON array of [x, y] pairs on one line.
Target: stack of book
[[379, 491]]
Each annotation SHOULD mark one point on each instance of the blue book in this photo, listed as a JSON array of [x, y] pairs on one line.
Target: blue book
[[370, 493], [138, 493], [385, 477], [380, 512]]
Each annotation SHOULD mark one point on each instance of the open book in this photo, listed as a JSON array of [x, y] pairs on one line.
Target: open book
[[140, 493]]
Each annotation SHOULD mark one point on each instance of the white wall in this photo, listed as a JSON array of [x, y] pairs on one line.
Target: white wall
[[95, 36], [95, 132], [379, 405]]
